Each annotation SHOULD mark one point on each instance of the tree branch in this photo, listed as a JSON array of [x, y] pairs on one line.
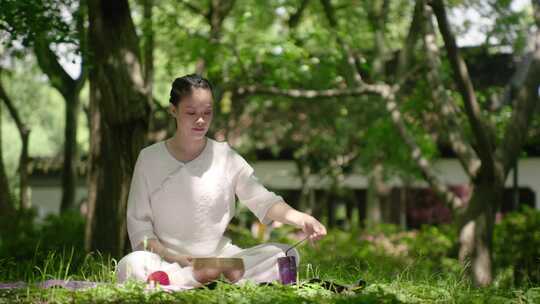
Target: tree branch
[[195, 9], [527, 99], [377, 16], [24, 133], [392, 107], [351, 58], [218, 10], [294, 20], [518, 79], [234, 49], [388, 95], [83, 34], [21, 126], [480, 129], [48, 62], [373, 89], [410, 42], [425, 167], [443, 101], [423, 164]]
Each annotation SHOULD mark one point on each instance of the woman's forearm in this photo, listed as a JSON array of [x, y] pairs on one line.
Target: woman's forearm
[[284, 213]]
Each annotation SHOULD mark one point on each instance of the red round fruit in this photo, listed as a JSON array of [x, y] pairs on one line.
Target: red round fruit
[[160, 277]]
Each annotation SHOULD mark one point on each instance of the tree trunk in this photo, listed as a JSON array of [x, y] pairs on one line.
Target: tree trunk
[[331, 207], [148, 57], [476, 231], [70, 89], [377, 17], [119, 116], [403, 207], [148, 45], [349, 208], [316, 201], [361, 205], [24, 193], [378, 198], [373, 205], [24, 132], [71, 155], [305, 190], [6, 203]]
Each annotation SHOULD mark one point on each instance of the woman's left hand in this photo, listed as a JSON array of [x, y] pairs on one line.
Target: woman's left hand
[[312, 228]]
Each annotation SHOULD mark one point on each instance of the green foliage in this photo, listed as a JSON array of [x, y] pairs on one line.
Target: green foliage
[[18, 235], [24, 20], [437, 247], [517, 245], [399, 266], [54, 232], [28, 245], [321, 133]]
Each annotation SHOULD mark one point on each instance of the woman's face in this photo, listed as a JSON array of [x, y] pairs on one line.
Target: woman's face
[[194, 114]]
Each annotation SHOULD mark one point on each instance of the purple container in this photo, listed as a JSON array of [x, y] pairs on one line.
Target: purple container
[[287, 270]]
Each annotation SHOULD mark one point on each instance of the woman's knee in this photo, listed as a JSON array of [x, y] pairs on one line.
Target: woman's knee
[[135, 265]]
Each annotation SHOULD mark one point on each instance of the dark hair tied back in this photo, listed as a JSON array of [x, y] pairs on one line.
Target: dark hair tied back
[[183, 86]]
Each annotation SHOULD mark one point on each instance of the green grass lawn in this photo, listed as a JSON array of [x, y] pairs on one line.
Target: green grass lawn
[[396, 269]]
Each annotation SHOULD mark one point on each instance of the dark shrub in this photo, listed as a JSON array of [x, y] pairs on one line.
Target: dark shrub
[[517, 245]]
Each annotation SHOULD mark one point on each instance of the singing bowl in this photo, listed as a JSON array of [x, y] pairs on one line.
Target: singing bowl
[[210, 269]]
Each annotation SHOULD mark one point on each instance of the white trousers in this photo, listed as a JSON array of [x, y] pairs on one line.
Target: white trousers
[[260, 263]]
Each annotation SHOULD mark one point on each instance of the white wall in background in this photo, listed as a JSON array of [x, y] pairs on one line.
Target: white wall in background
[[282, 175]]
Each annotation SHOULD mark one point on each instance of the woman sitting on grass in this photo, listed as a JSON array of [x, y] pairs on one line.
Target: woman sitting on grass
[[182, 198]]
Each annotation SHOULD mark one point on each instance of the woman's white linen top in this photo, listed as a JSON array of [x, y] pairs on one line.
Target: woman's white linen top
[[187, 206]]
